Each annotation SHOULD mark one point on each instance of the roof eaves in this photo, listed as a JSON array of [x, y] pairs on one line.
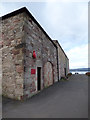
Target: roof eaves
[[61, 48], [24, 9]]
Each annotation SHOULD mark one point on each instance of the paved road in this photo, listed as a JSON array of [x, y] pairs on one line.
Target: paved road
[[67, 99]]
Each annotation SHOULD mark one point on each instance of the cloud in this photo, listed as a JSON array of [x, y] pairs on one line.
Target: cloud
[[45, 1], [8, 7], [68, 23], [64, 21], [78, 56]]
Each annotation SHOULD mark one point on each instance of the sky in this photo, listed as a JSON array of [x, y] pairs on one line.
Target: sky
[[63, 20]]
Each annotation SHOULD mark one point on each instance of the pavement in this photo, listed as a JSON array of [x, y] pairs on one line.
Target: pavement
[[64, 99]]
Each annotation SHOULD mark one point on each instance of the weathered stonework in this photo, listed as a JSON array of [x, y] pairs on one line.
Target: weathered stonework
[[12, 57], [35, 39], [63, 61], [22, 74], [1, 45]]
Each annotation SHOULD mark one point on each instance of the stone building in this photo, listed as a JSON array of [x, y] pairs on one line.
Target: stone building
[[63, 61], [29, 56]]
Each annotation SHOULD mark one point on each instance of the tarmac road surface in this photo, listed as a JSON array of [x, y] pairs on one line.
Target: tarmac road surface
[[65, 99]]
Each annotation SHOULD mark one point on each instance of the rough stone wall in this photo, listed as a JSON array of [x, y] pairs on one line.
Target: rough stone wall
[[63, 61], [0, 56], [67, 65], [35, 39], [12, 56], [20, 36]]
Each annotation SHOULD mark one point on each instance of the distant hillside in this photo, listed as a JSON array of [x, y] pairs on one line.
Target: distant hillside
[[80, 69]]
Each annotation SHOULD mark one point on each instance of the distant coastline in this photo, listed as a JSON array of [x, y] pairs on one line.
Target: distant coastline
[[80, 69]]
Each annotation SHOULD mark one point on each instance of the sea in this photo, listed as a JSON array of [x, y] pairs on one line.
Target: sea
[[79, 72]]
